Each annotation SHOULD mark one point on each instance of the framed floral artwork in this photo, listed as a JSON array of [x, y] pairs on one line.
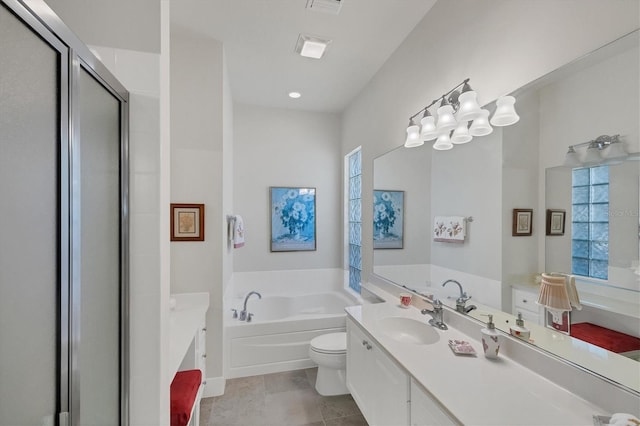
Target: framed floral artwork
[[388, 219], [187, 222], [522, 222], [293, 218]]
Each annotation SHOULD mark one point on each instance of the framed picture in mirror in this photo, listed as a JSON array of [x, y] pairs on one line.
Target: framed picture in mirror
[[555, 221], [388, 219], [522, 222]]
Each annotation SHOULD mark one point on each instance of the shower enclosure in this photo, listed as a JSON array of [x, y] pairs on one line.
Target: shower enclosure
[[63, 226]]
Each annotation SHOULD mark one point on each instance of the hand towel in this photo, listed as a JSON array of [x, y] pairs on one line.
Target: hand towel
[[450, 229], [574, 299], [572, 291], [238, 232]]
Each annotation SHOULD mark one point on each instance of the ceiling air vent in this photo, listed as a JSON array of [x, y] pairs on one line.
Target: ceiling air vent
[[326, 6]]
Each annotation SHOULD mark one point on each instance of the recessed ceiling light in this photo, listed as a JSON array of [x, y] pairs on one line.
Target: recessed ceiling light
[[311, 46], [294, 95]]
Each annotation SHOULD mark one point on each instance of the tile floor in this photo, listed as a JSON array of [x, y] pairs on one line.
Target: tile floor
[[279, 399]]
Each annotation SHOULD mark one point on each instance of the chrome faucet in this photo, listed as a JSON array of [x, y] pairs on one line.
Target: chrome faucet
[[436, 313], [243, 313], [462, 300]]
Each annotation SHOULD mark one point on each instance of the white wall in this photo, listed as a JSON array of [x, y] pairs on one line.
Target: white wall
[[124, 24], [280, 147], [197, 139], [500, 45], [520, 171]]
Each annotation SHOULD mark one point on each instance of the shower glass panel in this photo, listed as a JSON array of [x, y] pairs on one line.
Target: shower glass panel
[[99, 349], [29, 214]]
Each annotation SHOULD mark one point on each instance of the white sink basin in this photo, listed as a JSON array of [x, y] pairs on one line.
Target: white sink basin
[[407, 330]]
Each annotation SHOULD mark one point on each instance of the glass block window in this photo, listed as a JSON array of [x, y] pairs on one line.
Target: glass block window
[[355, 219], [590, 222]]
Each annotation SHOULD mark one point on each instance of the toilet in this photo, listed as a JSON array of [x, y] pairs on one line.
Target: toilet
[[329, 351]]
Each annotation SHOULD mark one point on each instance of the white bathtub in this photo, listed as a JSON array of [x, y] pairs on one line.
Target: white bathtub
[[277, 339]]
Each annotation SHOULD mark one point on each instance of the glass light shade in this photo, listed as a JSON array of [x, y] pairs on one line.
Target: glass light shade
[[413, 136], [553, 293], [461, 134], [592, 156], [480, 126], [429, 131], [505, 114], [616, 151], [443, 142], [446, 120], [572, 159], [469, 108]]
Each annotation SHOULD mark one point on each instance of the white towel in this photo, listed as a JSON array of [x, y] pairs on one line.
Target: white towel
[[238, 232], [450, 229], [574, 299]]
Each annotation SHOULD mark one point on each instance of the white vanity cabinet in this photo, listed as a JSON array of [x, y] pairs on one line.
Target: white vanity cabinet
[[425, 410], [524, 301], [378, 385]]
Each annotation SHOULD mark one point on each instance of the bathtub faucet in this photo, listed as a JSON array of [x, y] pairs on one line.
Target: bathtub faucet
[[243, 313]]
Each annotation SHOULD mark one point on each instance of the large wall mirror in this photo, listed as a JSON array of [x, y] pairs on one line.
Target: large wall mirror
[[523, 166]]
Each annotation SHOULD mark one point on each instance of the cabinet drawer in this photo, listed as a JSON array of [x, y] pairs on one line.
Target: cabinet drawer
[[524, 300]]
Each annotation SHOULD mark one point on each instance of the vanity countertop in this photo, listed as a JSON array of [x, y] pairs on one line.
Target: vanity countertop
[[184, 319], [476, 390]]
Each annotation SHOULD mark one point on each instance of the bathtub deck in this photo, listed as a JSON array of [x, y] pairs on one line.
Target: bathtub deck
[[287, 398]]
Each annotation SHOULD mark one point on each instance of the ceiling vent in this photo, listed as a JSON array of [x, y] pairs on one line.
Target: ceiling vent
[[326, 6]]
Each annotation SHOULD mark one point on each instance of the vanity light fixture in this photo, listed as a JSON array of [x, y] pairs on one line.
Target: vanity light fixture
[[604, 149], [459, 119]]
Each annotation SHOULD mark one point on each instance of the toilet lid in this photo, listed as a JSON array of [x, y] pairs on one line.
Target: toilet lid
[[330, 343]]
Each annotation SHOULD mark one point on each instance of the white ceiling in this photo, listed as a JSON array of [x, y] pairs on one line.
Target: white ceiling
[[259, 37]]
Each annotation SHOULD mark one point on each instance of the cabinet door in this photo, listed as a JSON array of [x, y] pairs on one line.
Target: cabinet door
[[390, 385], [425, 410], [377, 384], [358, 362]]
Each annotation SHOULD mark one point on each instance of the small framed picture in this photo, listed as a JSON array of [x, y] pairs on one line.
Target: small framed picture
[[187, 222], [557, 321], [522, 222], [555, 221]]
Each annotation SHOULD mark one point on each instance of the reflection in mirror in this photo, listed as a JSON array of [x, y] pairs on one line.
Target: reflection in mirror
[[520, 167]]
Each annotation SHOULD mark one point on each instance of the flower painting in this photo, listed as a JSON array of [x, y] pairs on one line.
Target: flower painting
[[388, 219], [293, 219]]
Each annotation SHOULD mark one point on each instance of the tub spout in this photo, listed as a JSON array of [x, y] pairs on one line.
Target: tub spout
[[243, 313]]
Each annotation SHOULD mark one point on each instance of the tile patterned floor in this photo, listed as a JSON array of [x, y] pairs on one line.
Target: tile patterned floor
[[279, 399]]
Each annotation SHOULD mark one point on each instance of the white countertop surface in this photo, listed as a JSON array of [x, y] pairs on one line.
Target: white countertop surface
[[184, 320], [476, 390]]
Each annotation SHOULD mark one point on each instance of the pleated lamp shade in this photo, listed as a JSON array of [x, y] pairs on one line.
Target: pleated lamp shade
[[553, 293]]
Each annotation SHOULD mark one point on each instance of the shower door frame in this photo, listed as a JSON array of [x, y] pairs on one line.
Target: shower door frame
[[74, 56]]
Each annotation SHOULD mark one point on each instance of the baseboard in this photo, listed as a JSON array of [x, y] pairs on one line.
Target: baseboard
[[214, 387]]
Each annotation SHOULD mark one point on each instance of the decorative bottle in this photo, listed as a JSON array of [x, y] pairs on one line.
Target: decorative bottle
[[490, 339], [519, 330]]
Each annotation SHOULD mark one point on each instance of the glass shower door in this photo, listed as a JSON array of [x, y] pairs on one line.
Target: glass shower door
[[97, 199], [30, 209]]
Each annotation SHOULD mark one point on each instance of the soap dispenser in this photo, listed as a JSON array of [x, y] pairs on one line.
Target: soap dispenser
[[490, 339], [519, 330]]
